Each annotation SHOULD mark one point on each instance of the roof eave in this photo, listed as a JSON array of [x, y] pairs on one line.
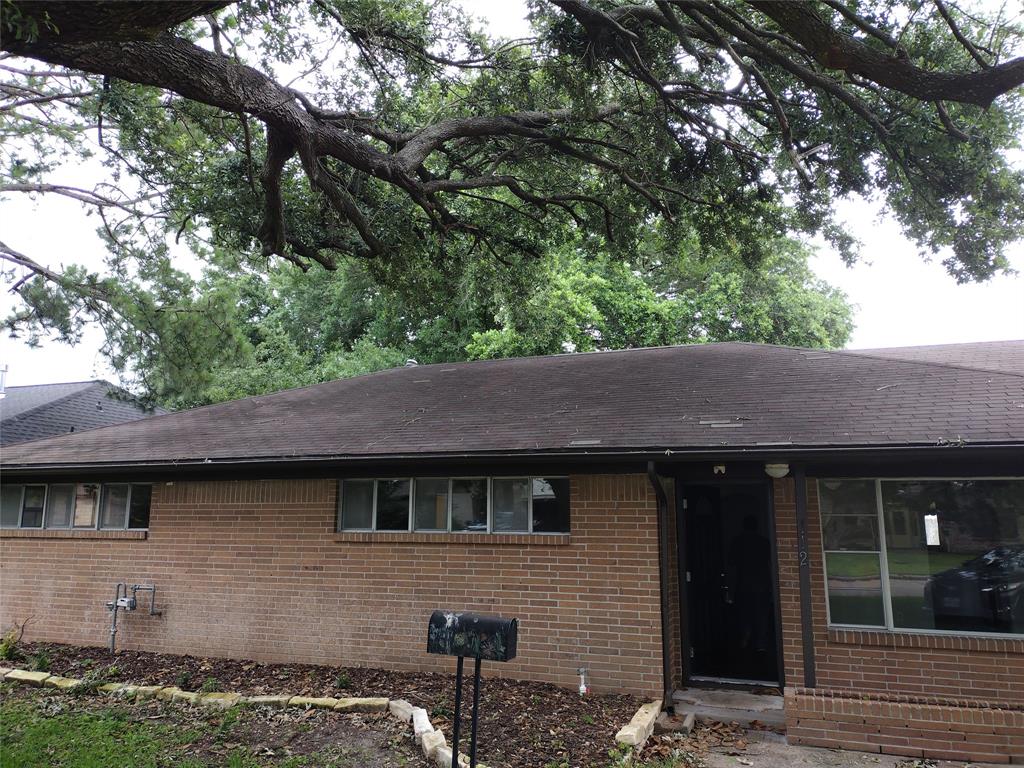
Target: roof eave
[[568, 455]]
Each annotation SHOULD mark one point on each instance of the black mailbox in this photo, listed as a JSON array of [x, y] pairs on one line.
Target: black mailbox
[[472, 634]]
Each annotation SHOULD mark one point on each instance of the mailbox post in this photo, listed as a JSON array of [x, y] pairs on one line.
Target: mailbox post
[[479, 637]]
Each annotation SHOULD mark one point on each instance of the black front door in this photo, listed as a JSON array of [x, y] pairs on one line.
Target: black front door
[[730, 589]]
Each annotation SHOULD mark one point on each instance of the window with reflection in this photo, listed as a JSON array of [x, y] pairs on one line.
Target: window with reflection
[[953, 551], [849, 529], [115, 506], [469, 504], [460, 504]]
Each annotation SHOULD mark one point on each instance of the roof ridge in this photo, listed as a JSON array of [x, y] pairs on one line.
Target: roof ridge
[[946, 344], [59, 383], [934, 363]]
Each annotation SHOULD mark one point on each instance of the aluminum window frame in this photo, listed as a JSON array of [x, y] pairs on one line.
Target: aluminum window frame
[[883, 556], [96, 513], [128, 508], [447, 505], [529, 503], [451, 503], [104, 490], [46, 508], [339, 523], [408, 510], [97, 522], [450, 480], [21, 511]]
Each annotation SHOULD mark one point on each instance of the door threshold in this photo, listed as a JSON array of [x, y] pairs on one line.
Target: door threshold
[[734, 681], [726, 705]]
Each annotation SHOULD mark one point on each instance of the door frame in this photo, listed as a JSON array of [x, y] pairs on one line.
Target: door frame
[[686, 647]]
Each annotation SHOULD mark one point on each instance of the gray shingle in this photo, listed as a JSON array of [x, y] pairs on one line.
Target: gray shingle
[[45, 410], [644, 399]]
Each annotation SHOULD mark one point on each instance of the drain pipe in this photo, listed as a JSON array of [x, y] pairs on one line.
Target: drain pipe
[[666, 664]]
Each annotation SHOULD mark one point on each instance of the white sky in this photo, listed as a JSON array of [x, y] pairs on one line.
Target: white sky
[[900, 298]]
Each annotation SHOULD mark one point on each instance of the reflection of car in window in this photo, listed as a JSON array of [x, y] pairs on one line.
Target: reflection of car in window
[[985, 593]]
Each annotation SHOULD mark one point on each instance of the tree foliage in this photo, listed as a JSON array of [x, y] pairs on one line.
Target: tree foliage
[[629, 174]]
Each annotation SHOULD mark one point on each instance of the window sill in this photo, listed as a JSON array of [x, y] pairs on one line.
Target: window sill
[[951, 641], [401, 537], [58, 533]]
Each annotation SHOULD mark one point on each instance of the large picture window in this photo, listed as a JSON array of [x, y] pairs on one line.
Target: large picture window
[[929, 555], [460, 505]]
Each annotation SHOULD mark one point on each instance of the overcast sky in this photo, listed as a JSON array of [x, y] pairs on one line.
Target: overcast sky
[[900, 298]]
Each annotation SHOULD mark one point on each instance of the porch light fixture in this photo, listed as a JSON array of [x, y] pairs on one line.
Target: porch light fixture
[[777, 471]]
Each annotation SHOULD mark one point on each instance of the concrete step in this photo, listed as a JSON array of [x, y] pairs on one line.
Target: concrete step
[[730, 706]]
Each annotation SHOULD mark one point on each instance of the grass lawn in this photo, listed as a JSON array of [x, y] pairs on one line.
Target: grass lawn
[[902, 562], [39, 728]]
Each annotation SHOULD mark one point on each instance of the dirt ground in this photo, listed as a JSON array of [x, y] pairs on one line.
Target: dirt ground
[[249, 737], [522, 724]]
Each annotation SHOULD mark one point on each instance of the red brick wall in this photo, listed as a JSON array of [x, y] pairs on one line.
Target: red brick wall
[[255, 570], [947, 670], [906, 725]]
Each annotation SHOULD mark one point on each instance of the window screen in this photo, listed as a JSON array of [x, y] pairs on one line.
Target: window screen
[[356, 505], [60, 504], [32, 506], [431, 507], [469, 504], [511, 504]]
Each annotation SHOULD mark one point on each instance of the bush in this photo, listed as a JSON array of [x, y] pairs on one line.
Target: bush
[[9, 650]]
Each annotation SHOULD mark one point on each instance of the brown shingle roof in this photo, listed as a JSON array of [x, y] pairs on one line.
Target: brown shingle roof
[[713, 396]]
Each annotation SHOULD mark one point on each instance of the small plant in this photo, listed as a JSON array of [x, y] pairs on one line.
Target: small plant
[[182, 679], [209, 685], [588, 719], [11, 640], [621, 755], [440, 711], [9, 646], [343, 680], [227, 722], [41, 661], [92, 681]]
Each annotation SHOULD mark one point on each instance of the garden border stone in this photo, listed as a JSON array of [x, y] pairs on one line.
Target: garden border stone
[[639, 729], [431, 741], [27, 677]]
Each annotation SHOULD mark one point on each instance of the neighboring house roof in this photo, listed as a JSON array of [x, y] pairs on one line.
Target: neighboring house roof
[[44, 410], [706, 397], [1006, 356]]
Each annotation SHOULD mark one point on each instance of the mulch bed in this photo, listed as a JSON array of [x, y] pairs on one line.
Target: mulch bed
[[522, 724]]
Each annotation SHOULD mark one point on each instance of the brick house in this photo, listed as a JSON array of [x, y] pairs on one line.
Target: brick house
[[846, 526], [35, 411]]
